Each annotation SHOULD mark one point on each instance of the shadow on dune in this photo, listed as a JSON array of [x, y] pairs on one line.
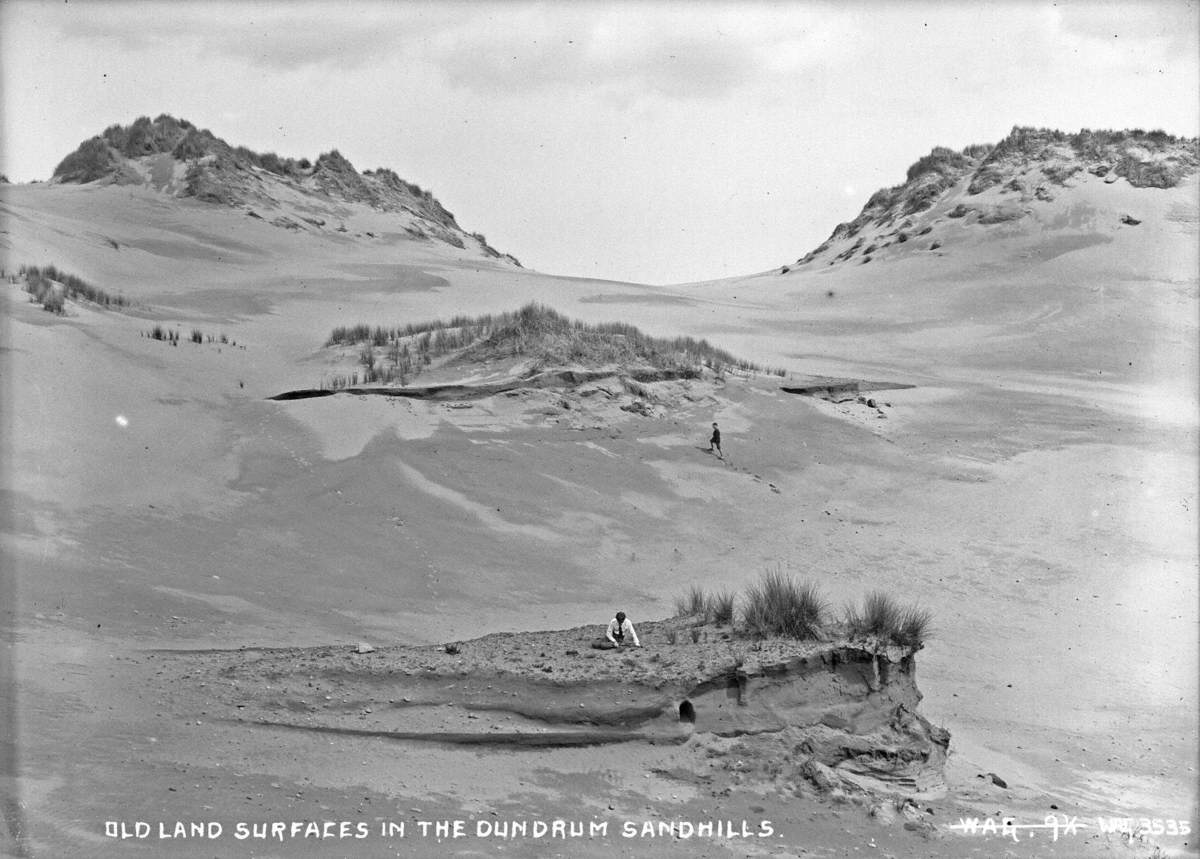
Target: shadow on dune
[[508, 739]]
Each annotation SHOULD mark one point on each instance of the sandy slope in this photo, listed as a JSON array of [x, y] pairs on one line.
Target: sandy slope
[[1037, 490]]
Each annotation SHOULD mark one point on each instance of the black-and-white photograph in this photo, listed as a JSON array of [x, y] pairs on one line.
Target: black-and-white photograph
[[593, 429]]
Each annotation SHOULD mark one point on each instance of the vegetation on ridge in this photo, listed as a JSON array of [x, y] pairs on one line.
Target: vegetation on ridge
[[167, 135], [217, 172], [887, 620], [1152, 159], [778, 605], [692, 602], [49, 286], [535, 331]]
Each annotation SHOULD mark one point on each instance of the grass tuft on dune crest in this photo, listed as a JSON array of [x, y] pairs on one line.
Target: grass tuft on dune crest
[[534, 331], [719, 607], [691, 602], [778, 605], [883, 617]]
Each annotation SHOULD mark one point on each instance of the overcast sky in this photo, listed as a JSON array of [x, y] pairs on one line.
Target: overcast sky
[[659, 143]]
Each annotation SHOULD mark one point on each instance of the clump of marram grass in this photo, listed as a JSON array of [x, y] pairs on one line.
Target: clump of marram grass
[[779, 605], [878, 616], [692, 602], [716, 607], [916, 625], [171, 335], [40, 283], [886, 619], [719, 607]]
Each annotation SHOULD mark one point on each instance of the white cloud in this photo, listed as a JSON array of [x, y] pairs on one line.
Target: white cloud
[[1137, 26], [272, 36], [525, 49], [673, 50]]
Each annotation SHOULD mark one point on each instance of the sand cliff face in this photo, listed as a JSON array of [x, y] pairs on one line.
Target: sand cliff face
[[844, 717], [841, 714]]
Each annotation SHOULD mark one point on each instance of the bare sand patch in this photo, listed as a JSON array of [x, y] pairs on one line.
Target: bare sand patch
[[485, 515], [344, 425]]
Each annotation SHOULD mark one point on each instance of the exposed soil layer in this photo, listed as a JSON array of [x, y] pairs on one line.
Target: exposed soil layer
[[464, 391], [850, 704]]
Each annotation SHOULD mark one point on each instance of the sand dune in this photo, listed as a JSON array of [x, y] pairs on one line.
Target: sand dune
[[1036, 489]]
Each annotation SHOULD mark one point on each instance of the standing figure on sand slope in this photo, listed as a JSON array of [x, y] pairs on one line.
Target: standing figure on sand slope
[[715, 442], [614, 636]]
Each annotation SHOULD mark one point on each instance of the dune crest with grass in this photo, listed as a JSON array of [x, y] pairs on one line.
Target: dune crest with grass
[[174, 157], [949, 195], [534, 345]]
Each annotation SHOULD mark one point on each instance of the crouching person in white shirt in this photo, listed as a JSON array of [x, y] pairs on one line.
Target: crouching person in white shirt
[[620, 631]]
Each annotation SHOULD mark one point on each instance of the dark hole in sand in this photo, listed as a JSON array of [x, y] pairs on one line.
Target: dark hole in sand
[[687, 713]]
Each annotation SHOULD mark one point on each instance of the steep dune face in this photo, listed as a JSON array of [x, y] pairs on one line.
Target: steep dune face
[[177, 158], [1011, 258], [1008, 184]]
